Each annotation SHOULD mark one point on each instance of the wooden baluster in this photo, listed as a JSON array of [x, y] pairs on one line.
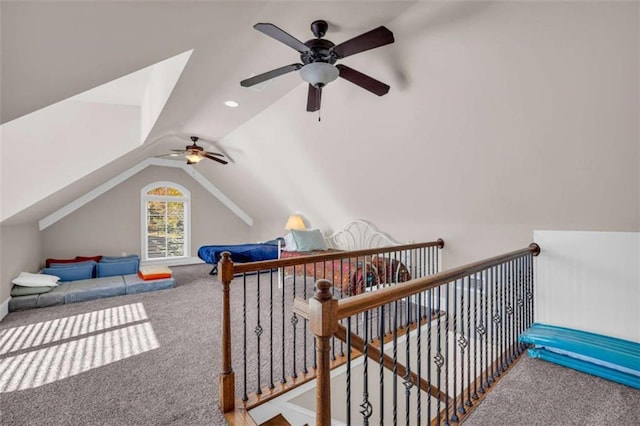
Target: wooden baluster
[[227, 376], [322, 318]]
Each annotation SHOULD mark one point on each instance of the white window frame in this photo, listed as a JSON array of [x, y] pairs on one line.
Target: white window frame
[[186, 199]]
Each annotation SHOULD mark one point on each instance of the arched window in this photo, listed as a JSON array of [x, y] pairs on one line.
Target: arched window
[[165, 221]]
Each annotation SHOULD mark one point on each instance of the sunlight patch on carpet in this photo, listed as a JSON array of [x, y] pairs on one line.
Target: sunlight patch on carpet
[[74, 355], [27, 336]]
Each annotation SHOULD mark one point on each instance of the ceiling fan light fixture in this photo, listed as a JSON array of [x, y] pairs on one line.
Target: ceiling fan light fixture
[[319, 74], [193, 158]]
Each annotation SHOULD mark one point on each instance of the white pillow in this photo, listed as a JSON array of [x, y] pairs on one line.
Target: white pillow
[[290, 242], [310, 240], [27, 279]]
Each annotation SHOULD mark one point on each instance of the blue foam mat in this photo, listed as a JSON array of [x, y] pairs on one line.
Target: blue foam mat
[[586, 367], [608, 357]]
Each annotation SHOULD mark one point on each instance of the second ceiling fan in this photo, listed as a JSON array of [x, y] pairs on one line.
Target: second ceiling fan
[[318, 57]]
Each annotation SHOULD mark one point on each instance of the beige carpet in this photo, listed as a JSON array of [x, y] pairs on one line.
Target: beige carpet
[[154, 359]]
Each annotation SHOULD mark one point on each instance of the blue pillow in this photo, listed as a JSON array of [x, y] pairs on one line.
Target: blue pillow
[[110, 269], [67, 265], [107, 259], [71, 273]]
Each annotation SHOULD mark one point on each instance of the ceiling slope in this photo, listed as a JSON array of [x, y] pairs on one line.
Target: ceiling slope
[[54, 50]]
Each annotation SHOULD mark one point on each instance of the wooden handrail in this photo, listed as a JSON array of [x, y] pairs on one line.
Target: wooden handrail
[[292, 261], [324, 311], [363, 302]]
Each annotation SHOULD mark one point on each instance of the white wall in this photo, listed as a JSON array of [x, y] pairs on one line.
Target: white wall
[[502, 118], [96, 229], [55, 146], [589, 281]]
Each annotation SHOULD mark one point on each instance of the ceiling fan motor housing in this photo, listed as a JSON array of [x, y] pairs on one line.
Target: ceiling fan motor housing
[[319, 28]]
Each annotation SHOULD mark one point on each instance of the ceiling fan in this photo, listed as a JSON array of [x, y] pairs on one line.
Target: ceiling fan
[[194, 153], [318, 57]]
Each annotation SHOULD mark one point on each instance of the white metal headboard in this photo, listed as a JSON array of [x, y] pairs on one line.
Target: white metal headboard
[[358, 235]]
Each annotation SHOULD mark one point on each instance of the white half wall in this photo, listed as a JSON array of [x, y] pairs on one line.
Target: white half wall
[[589, 281]]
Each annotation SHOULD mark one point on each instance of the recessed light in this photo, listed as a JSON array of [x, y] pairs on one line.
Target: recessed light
[[231, 104]]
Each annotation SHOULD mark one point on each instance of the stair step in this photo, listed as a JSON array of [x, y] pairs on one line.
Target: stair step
[[278, 420]]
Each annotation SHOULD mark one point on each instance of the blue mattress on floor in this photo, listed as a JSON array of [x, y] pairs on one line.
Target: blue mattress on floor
[[240, 253], [608, 357]]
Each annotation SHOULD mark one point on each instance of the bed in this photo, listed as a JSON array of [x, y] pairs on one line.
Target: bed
[[355, 274], [241, 253]]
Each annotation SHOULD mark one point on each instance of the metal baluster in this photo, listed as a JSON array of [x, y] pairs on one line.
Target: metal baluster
[[487, 361], [258, 330], [512, 313], [510, 305], [305, 370], [348, 379], [468, 402], [462, 343], [381, 364], [439, 359], [480, 329], [475, 336], [519, 304], [294, 323], [503, 308], [342, 296], [366, 408], [520, 301], [454, 416], [271, 385], [407, 377], [395, 363], [530, 286], [356, 290], [446, 354], [430, 308], [333, 291], [244, 336], [419, 357], [495, 309], [283, 379]]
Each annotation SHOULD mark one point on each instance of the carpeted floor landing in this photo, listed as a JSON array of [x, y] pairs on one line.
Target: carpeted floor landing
[[176, 383], [154, 359]]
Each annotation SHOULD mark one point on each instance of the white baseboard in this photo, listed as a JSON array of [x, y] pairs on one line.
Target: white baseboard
[[4, 308], [173, 262]]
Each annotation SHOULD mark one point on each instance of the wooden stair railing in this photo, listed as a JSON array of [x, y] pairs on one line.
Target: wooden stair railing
[[422, 256], [324, 313]]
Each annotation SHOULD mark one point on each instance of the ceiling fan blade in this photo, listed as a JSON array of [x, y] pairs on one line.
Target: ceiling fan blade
[[313, 98], [217, 154], [219, 160], [363, 80], [179, 150], [269, 75], [380, 36], [282, 36]]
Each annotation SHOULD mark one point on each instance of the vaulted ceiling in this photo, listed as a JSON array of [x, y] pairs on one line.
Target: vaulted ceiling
[[54, 50], [482, 95]]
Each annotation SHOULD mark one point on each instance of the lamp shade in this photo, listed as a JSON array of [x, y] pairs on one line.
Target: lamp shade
[[319, 74], [295, 222]]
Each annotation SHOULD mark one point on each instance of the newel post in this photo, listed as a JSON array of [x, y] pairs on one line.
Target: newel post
[[227, 376], [323, 308]]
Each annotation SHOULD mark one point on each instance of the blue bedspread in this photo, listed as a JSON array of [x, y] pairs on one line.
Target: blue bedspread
[[240, 253]]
